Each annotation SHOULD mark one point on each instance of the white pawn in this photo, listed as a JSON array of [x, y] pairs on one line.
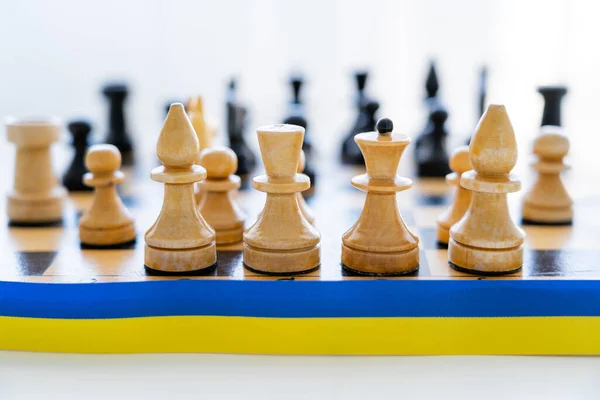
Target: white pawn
[[107, 222], [219, 189], [306, 211], [547, 202], [180, 240], [459, 164]]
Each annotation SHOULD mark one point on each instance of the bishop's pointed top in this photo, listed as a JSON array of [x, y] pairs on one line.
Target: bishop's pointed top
[[493, 149], [177, 145], [431, 84], [195, 104]]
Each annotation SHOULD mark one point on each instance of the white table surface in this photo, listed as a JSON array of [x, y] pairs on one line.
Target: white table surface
[[194, 376]]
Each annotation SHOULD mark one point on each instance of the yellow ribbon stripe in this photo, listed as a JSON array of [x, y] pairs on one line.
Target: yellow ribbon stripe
[[249, 335]]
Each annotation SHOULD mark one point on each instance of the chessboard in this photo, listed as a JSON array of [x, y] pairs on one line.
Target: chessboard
[[57, 296]]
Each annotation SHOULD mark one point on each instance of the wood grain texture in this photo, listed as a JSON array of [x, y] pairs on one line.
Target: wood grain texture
[[459, 164], [486, 240], [107, 221], [180, 240], [380, 243], [37, 197], [219, 190], [547, 201], [281, 241]]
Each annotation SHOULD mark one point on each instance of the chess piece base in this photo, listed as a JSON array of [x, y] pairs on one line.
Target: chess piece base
[[107, 237], [547, 215], [374, 263], [282, 262], [476, 260], [30, 211], [443, 234], [229, 236], [180, 260]]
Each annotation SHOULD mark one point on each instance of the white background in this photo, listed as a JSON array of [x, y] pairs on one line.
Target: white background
[[55, 55]]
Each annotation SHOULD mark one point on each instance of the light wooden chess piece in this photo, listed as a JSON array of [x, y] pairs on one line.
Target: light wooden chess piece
[[281, 241], [180, 240], [37, 197], [195, 111], [306, 211], [459, 164], [547, 202], [218, 205], [107, 223], [380, 243], [486, 240]]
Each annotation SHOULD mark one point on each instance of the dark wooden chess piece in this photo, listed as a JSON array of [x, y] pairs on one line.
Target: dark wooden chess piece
[[117, 133], [73, 176], [431, 155], [553, 96], [365, 121], [296, 115], [367, 118], [236, 124], [482, 95]]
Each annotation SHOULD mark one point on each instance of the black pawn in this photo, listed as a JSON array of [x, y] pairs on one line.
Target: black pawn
[[365, 122], [73, 177], [117, 132], [553, 96], [236, 126], [431, 154]]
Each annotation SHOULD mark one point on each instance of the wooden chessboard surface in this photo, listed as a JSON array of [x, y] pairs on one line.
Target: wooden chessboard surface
[[53, 254]]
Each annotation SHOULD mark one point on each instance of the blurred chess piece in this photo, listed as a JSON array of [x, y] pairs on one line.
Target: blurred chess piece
[[548, 202], [180, 241], [107, 223], [37, 197]]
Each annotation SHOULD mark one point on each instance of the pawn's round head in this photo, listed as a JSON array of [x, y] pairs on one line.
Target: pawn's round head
[[103, 159], [439, 116], [552, 144], [384, 126], [219, 162], [459, 160]]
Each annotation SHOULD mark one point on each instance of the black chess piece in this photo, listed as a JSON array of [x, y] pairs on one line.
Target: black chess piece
[[73, 176], [430, 152], [553, 96], [364, 122], [367, 118], [117, 133], [482, 95], [296, 116], [361, 83], [431, 155], [236, 126], [432, 84]]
